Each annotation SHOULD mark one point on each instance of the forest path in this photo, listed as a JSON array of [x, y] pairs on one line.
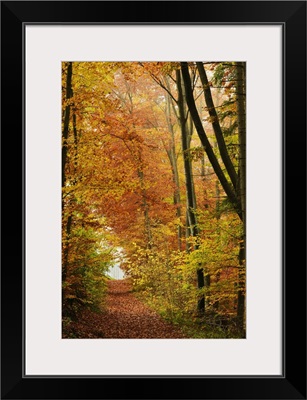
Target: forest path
[[126, 317], [123, 316]]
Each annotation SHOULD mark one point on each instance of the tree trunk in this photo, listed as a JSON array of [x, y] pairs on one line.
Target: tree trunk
[[241, 290], [216, 125], [66, 249], [65, 131], [177, 197], [74, 122], [145, 206], [171, 152], [228, 188], [191, 199], [240, 102]]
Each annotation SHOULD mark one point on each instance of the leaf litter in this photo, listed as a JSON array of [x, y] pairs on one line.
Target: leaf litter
[[123, 317]]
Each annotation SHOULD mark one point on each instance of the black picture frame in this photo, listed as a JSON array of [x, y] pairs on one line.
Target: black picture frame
[[292, 16]]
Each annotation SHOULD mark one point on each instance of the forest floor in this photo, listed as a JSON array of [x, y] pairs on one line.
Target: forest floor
[[123, 317]]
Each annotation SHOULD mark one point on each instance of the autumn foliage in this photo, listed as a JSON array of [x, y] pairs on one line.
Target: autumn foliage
[[128, 183]]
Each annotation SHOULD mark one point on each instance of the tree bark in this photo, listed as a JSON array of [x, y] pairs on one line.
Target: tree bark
[[191, 199], [66, 249], [240, 103], [171, 152], [228, 188], [145, 206], [69, 94], [216, 125], [65, 133]]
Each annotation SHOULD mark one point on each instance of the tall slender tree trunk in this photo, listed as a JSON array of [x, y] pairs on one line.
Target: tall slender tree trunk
[[65, 133], [66, 249], [191, 199], [216, 125], [74, 122], [145, 206], [177, 197], [240, 102], [171, 152]]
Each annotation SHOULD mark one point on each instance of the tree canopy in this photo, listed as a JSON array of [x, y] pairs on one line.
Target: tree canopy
[[153, 178]]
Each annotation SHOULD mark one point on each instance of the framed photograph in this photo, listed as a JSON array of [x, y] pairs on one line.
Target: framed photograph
[[162, 171]]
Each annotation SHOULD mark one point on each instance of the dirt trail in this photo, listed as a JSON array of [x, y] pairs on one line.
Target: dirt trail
[[126, 317]]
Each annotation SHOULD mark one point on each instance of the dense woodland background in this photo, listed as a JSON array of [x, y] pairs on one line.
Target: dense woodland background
[[153, 179]]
